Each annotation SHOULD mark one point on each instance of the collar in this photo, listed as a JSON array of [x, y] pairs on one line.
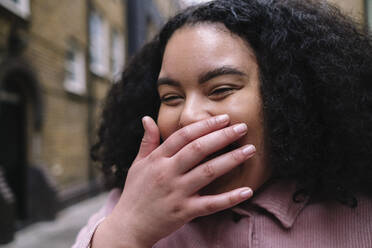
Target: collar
[[277, 199]]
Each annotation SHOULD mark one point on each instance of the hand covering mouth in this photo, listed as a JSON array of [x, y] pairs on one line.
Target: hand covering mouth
[[224, 150]]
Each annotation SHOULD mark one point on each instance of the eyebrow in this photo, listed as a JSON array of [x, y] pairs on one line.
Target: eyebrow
[[167, 81], [224, 70], [204, 77]]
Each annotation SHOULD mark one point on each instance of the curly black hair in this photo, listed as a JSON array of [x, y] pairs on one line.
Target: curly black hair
[[316, 85]]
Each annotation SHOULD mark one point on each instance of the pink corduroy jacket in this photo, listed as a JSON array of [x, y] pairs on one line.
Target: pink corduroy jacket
[[270, 219]]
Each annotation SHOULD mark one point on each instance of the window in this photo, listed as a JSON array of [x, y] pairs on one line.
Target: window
[[187, 3], [369, 13], [75, 81], [117, 54], [98, 31], [18, 7], [151, 30]]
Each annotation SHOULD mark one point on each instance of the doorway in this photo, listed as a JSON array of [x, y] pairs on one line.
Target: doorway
[[13, 143]]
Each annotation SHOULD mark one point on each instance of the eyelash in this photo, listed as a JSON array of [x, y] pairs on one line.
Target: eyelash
[[221, 90], [221, 93], [168, 98], [218, 93]]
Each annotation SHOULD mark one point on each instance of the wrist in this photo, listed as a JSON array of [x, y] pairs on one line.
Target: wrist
[[116, 235]]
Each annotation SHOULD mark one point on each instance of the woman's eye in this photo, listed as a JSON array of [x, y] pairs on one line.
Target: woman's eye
[[221, 92], [170, 99]]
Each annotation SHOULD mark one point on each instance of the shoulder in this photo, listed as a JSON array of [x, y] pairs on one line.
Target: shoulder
[[333, 208], [85, 235], [338, 217]]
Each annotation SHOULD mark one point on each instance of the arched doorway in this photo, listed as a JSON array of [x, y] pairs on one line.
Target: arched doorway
[[20, 119], [20, 103], [13, 142]]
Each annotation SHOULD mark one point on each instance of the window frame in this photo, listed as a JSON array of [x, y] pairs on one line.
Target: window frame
[[76, 66], [117, 54], [368, 8], [98, 44]]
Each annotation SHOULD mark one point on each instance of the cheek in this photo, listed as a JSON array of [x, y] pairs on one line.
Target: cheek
[[167, 122], [249, 111], [245, 109]]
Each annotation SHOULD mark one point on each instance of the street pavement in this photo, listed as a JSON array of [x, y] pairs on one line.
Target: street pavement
[[60, 233]]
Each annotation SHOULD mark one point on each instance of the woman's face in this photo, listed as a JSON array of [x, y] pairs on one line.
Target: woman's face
[[207, 71]]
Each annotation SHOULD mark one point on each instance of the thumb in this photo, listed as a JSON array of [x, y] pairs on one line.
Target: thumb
[[151, 137]]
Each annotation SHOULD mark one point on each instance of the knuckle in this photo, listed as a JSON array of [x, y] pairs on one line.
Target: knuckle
[[180, 212], [145, 140], [210, 123], [231, 199], [165, 147], [151, 158], [178, 158], [208, 170], [227, 132], [161, 180], [177, 209], [236, 156], [210, 207], [196, 146], [185, 134], [183, 211]]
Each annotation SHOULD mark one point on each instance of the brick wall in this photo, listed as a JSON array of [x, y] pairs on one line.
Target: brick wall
[[65, 137]]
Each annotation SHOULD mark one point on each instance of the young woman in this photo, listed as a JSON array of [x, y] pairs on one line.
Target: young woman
[[238, 96]]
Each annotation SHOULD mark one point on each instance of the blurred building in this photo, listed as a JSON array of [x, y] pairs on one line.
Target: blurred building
[[368, 15], [146, 17], [58, 59], [358, 9]]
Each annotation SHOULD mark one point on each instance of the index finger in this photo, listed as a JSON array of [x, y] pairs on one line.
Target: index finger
[[185, 135]]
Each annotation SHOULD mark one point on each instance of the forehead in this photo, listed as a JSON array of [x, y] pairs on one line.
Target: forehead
[[194, 49]]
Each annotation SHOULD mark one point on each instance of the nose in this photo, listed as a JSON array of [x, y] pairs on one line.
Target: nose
[[194, 110]]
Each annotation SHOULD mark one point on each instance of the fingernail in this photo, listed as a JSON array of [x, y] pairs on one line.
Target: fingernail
[[249, 149], [246, 193], [144, 121], [240, 128], [222, 118]]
